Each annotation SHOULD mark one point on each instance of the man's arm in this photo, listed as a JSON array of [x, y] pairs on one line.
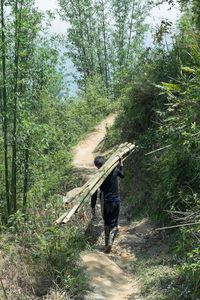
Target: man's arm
[[93, 200], [93, 203], [120, 171]]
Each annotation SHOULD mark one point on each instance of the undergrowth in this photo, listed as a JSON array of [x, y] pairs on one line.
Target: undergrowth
[[160, 107], [159, 268], [39, 256]]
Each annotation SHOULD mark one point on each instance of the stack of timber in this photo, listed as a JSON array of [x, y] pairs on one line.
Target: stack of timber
[[90, 187]]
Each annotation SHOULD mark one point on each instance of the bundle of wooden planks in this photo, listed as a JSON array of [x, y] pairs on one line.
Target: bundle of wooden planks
[[90, 187]]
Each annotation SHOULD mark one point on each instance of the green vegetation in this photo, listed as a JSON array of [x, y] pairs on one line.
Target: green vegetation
[[161, 269], [156, 91], [160, 108], [38, 130], [105, 38]]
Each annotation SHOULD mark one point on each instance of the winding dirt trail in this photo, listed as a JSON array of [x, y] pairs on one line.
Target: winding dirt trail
[[110, 275], [84, 151]]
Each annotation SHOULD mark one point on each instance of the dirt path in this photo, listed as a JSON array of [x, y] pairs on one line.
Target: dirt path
[[84, 151], [109, 275]]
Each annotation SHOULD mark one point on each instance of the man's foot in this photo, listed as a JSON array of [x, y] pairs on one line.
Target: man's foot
[[107, 232], [112, 235], [108, 249]]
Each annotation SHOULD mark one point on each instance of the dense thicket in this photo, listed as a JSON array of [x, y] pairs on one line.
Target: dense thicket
[[161, 107], [38, 128]]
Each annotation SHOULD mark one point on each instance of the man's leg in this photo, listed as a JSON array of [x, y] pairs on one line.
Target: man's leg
[[102, 208], [107, 233], [105, 213], [114, 209]]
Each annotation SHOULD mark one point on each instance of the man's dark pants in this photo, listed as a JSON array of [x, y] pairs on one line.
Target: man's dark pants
[[110, 216]]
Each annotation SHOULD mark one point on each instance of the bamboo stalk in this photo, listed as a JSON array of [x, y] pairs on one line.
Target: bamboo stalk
[[92, 178], [83, 192], [94, 186], [157, 150], [176, 226], [101, 180], [95, 182]]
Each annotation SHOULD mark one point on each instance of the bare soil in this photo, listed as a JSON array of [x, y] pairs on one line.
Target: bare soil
[[84, 152]]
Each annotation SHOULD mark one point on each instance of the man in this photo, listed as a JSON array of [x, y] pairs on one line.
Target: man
[[111, 201]]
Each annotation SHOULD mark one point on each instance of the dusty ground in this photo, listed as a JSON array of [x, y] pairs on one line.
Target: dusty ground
[[84, 151], [110, 276]]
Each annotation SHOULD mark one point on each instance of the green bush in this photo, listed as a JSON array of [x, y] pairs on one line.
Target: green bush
[[160, 108]]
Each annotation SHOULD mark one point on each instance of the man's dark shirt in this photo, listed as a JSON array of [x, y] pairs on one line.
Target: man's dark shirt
[[110, 187]]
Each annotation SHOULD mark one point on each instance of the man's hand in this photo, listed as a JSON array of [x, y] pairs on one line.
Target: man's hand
[[120, 161]]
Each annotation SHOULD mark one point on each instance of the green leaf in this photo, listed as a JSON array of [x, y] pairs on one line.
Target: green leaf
[[188, 70], [171, 86]]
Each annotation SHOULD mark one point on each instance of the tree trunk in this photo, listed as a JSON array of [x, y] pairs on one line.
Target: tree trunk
[[5, 118], [99, 52], [26, 165], [14, 135], [130, 32], [86, 63], [105, 45]]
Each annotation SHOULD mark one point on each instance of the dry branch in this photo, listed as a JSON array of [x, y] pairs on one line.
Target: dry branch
[[157, 150], [176, 226]]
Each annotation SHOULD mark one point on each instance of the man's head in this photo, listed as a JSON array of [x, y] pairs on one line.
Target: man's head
[[99, 161]]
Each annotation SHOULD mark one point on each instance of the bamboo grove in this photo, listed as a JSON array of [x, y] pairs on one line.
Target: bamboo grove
[[161, 107], [31, 84], [28, 65], [102, 39], [18, 39]]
